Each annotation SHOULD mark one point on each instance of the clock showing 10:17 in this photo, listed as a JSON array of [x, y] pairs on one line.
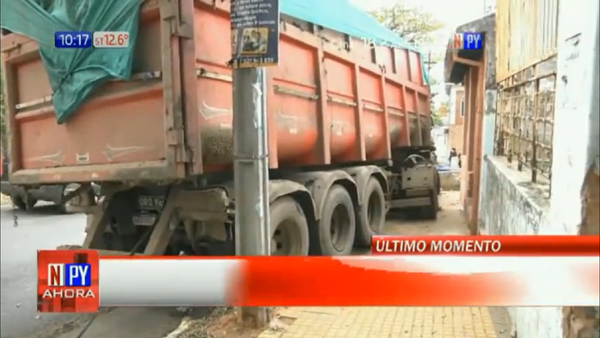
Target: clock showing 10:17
[[72, 39]]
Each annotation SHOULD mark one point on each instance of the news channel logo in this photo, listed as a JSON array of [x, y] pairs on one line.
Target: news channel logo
[[70, 280], [466, 41]]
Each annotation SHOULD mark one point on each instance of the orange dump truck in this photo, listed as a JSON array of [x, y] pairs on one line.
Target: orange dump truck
[[348, 134]]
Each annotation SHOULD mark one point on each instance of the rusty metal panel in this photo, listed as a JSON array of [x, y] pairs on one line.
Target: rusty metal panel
[[526, 34], [330, 101], [113, 136]]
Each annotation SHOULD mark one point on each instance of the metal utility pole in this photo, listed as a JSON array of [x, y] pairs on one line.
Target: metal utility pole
[[252, 237], [255, 45], [429, 62]]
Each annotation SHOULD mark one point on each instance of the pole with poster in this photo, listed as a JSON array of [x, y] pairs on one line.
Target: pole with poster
[[254, 45]]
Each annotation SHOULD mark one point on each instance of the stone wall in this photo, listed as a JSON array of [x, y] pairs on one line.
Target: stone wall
[[518, 207]]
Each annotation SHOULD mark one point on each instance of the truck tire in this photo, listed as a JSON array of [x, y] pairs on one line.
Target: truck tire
[[62, 208], [20, 203], [337, 229], [289, 228], [372, 213], [431, 211], [438, 183]]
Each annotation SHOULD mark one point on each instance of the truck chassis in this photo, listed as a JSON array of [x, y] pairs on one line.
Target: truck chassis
[[311, 213]]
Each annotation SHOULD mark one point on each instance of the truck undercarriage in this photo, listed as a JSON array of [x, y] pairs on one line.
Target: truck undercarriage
[[313, 212]]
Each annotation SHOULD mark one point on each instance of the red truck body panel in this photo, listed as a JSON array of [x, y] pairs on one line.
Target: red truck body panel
[[173, 119]]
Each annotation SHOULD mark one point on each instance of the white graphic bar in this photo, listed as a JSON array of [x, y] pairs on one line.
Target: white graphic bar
[[165, 282]]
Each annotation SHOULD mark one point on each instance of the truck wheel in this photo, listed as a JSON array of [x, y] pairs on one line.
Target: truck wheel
[[438, 183], [20, 203], [338, 223], [62, 208], [372, 213], [289, 228], [431, 211]]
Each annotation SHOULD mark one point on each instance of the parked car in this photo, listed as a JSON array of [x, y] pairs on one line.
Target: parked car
[[27, 199]]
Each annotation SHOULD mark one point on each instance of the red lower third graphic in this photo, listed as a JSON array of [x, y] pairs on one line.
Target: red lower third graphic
[[68, 281]]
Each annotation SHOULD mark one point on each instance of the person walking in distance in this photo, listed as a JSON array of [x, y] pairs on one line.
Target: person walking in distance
[[453, 154]]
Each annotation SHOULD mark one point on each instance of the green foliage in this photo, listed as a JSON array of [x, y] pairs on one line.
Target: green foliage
[[412, 24], [437, 119], [437, 115], [433, 82]]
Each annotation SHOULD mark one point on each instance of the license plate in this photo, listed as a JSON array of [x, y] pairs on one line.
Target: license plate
[[150, 203], [147, 220]]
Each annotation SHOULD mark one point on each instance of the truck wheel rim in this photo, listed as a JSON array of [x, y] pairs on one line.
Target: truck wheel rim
[[285, 239], [338, 229], [374, 214]]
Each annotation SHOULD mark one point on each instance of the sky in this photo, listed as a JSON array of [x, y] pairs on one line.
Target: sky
[[451, 13]]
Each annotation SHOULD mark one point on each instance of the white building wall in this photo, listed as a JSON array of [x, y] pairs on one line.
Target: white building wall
[[518, 206]]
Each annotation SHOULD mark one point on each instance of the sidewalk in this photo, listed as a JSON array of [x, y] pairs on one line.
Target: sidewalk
[[399, 322], [391, 322]]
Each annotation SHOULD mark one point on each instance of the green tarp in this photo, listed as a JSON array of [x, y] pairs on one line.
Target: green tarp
[[344, 17], [74, 73]]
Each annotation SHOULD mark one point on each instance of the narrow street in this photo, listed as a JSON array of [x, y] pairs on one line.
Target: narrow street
[[45, 229]]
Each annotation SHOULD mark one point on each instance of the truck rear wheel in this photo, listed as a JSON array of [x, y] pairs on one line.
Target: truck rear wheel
[[289, 228], [22, 204], [337, 228], [372, 213], [430, 211]]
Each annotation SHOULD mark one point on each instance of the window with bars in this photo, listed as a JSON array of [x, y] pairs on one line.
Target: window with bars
[[525, 121]]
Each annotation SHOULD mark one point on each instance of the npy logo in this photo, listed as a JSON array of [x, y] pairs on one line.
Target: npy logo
[[74, 274]]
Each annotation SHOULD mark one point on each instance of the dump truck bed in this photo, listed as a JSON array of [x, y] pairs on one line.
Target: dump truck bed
[[327, 104]]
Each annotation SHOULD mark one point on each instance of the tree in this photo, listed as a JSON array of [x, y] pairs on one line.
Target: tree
[[440, 114], [411, 23], [437, 119]]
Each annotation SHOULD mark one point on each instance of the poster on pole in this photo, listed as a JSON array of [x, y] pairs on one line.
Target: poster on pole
[[254, 33]]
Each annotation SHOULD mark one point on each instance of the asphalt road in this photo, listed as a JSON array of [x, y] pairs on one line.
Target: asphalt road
[[45, 228]]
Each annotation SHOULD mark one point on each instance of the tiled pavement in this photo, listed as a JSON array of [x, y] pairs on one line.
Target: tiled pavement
[[399, 322], [391, 322]]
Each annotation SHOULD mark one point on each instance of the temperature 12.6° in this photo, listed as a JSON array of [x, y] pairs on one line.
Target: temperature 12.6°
[[111, 39]]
